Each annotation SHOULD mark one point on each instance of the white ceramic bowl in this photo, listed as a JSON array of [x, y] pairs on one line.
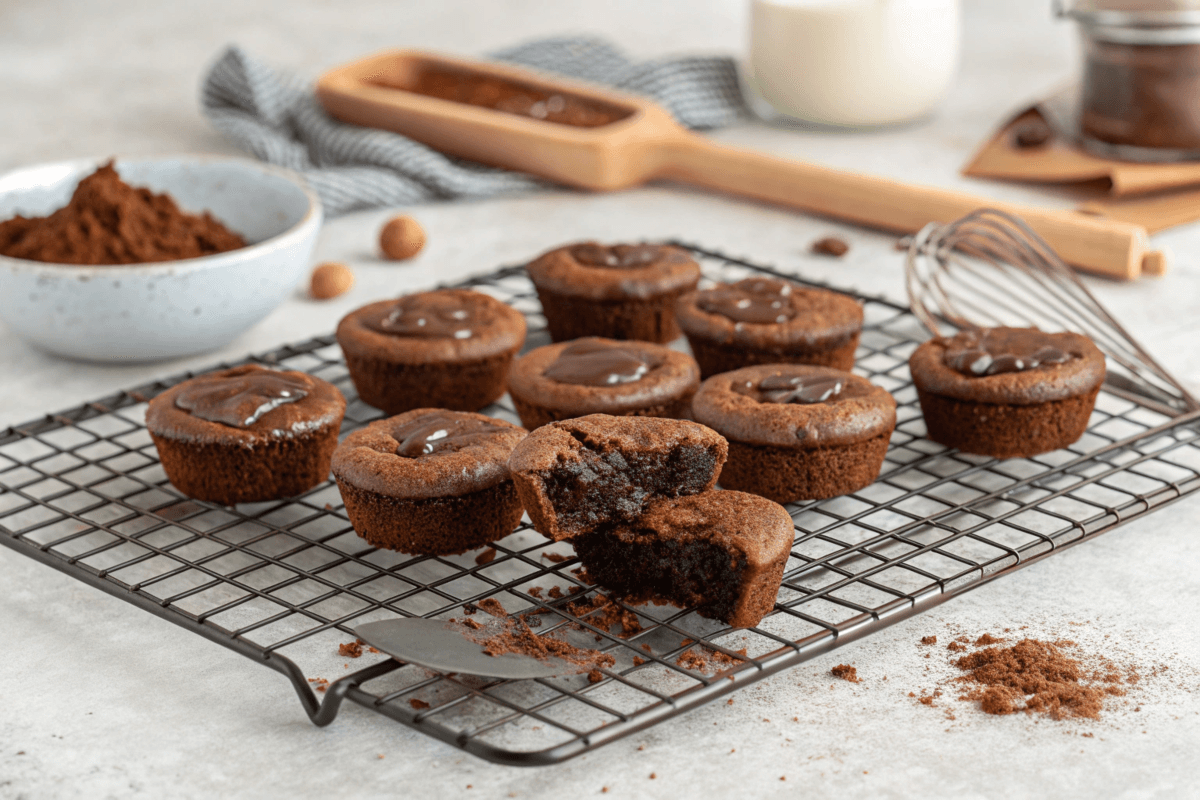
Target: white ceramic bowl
[[145, 312]]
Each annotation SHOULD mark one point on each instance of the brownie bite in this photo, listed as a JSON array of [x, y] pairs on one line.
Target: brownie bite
[[602, 376], [430, 481], [622, 291], [722, 552], [579, 474], [1007, 392], [769, 321], [797, 432], [246, 434], [449, 348]]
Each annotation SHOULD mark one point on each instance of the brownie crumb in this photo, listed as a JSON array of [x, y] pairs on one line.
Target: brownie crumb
[[555, 593], [830, 246], [535, 591], [595, 676], [418, 704], [472, 624], [987, 639], [350, 649], [927, 700], [492, 606], [928, 640], [846, 673], [956, 647], [555, 558], [486, 557], [638, 661]]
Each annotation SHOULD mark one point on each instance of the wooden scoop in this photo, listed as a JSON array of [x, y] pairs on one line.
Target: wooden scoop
[[638, 141]]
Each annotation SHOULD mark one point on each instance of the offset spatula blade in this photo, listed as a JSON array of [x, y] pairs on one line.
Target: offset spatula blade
[[441, 646]]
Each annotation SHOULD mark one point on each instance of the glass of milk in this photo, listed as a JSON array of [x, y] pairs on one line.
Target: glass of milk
[[858, 63]]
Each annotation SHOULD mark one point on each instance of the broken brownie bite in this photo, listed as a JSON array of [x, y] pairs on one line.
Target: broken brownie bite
[[579, 474], [723, 552]]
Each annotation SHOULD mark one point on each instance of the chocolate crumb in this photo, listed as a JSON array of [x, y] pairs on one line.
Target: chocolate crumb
[[927, 700], [486, 557], [638, 661], [350, 649], [956, 647], [830, 246], [846, 673], [595, 676], [987, 639], [472, 624], [417, 703], [652, 776], [492, 606], [555, 558], [535, 591], [555, 592], [928, 640]]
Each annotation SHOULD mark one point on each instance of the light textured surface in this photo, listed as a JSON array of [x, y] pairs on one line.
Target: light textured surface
[[104, 701]]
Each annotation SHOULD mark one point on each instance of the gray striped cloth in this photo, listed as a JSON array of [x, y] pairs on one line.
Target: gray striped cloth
[[275, 117]]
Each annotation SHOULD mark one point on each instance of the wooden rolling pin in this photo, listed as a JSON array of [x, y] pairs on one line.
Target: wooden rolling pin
[[593, 138]]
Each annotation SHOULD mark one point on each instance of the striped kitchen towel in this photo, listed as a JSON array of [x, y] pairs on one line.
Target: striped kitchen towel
[[275, 117]]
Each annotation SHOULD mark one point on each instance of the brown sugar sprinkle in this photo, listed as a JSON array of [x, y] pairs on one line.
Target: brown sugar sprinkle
[[830, 246], [486, 557], [418, 704], [350, 649], [555, 558], [928, 640], [846, 673]]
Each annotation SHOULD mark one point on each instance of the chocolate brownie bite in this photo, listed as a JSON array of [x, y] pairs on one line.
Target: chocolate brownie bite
[[602, 376], [622, 291], [430, 481], [246, 434], [722, 552], [578, 474], [1007, 392], [769, 321], [448, 348], [797, 432]]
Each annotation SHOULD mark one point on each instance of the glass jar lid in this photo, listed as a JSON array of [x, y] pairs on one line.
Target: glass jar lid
[[1136, 21]]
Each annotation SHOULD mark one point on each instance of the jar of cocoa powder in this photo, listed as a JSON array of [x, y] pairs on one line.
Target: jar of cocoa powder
[[1140, 95]]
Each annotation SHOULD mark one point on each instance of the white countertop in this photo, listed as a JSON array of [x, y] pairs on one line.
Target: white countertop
[[102, 700]]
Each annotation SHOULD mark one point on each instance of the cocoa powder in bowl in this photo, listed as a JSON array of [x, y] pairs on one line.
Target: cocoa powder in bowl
[[108, 221]]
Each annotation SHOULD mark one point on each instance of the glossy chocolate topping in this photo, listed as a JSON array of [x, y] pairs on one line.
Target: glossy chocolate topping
[[431, 315], [440, 431], [761, 301], [992, 351], [241, 396], [617, 256], [814, 387], [590, 362]]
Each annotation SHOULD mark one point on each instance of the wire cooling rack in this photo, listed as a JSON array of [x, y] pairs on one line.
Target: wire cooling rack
[[284, 583]]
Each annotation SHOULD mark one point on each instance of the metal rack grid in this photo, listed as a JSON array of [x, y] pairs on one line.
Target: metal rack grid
[[283, 583]]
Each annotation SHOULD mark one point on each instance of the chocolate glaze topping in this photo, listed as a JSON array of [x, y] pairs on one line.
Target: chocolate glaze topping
[[429, 315], [617, 256], [992, 351], [241, 396], [761, 301], [818, 387], [441, 431], [590, 362]]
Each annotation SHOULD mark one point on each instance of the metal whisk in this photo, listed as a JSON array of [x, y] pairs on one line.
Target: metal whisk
[[990, 269]]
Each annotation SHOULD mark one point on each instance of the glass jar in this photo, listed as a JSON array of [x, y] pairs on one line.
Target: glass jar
[[851, 62], [1140, 94]]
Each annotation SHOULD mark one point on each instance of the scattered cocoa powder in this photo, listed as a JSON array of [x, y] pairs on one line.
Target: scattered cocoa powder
[[107, 221], [846, 673], [1036, 677], [350, 649]]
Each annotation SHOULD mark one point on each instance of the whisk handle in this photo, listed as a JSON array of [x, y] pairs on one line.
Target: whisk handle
[[1107, 247]]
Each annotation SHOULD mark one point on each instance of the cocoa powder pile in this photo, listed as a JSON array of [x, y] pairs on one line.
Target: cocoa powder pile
[[110, 222], [1036, 677]]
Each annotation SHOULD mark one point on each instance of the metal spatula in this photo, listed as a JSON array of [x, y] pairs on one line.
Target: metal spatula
[[441, 646], [991, 269]]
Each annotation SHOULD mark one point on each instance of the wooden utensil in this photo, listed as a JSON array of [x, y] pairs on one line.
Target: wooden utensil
[[643, 143]]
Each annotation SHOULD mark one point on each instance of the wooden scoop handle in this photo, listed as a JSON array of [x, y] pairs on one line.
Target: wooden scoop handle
[[1107, 247]]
